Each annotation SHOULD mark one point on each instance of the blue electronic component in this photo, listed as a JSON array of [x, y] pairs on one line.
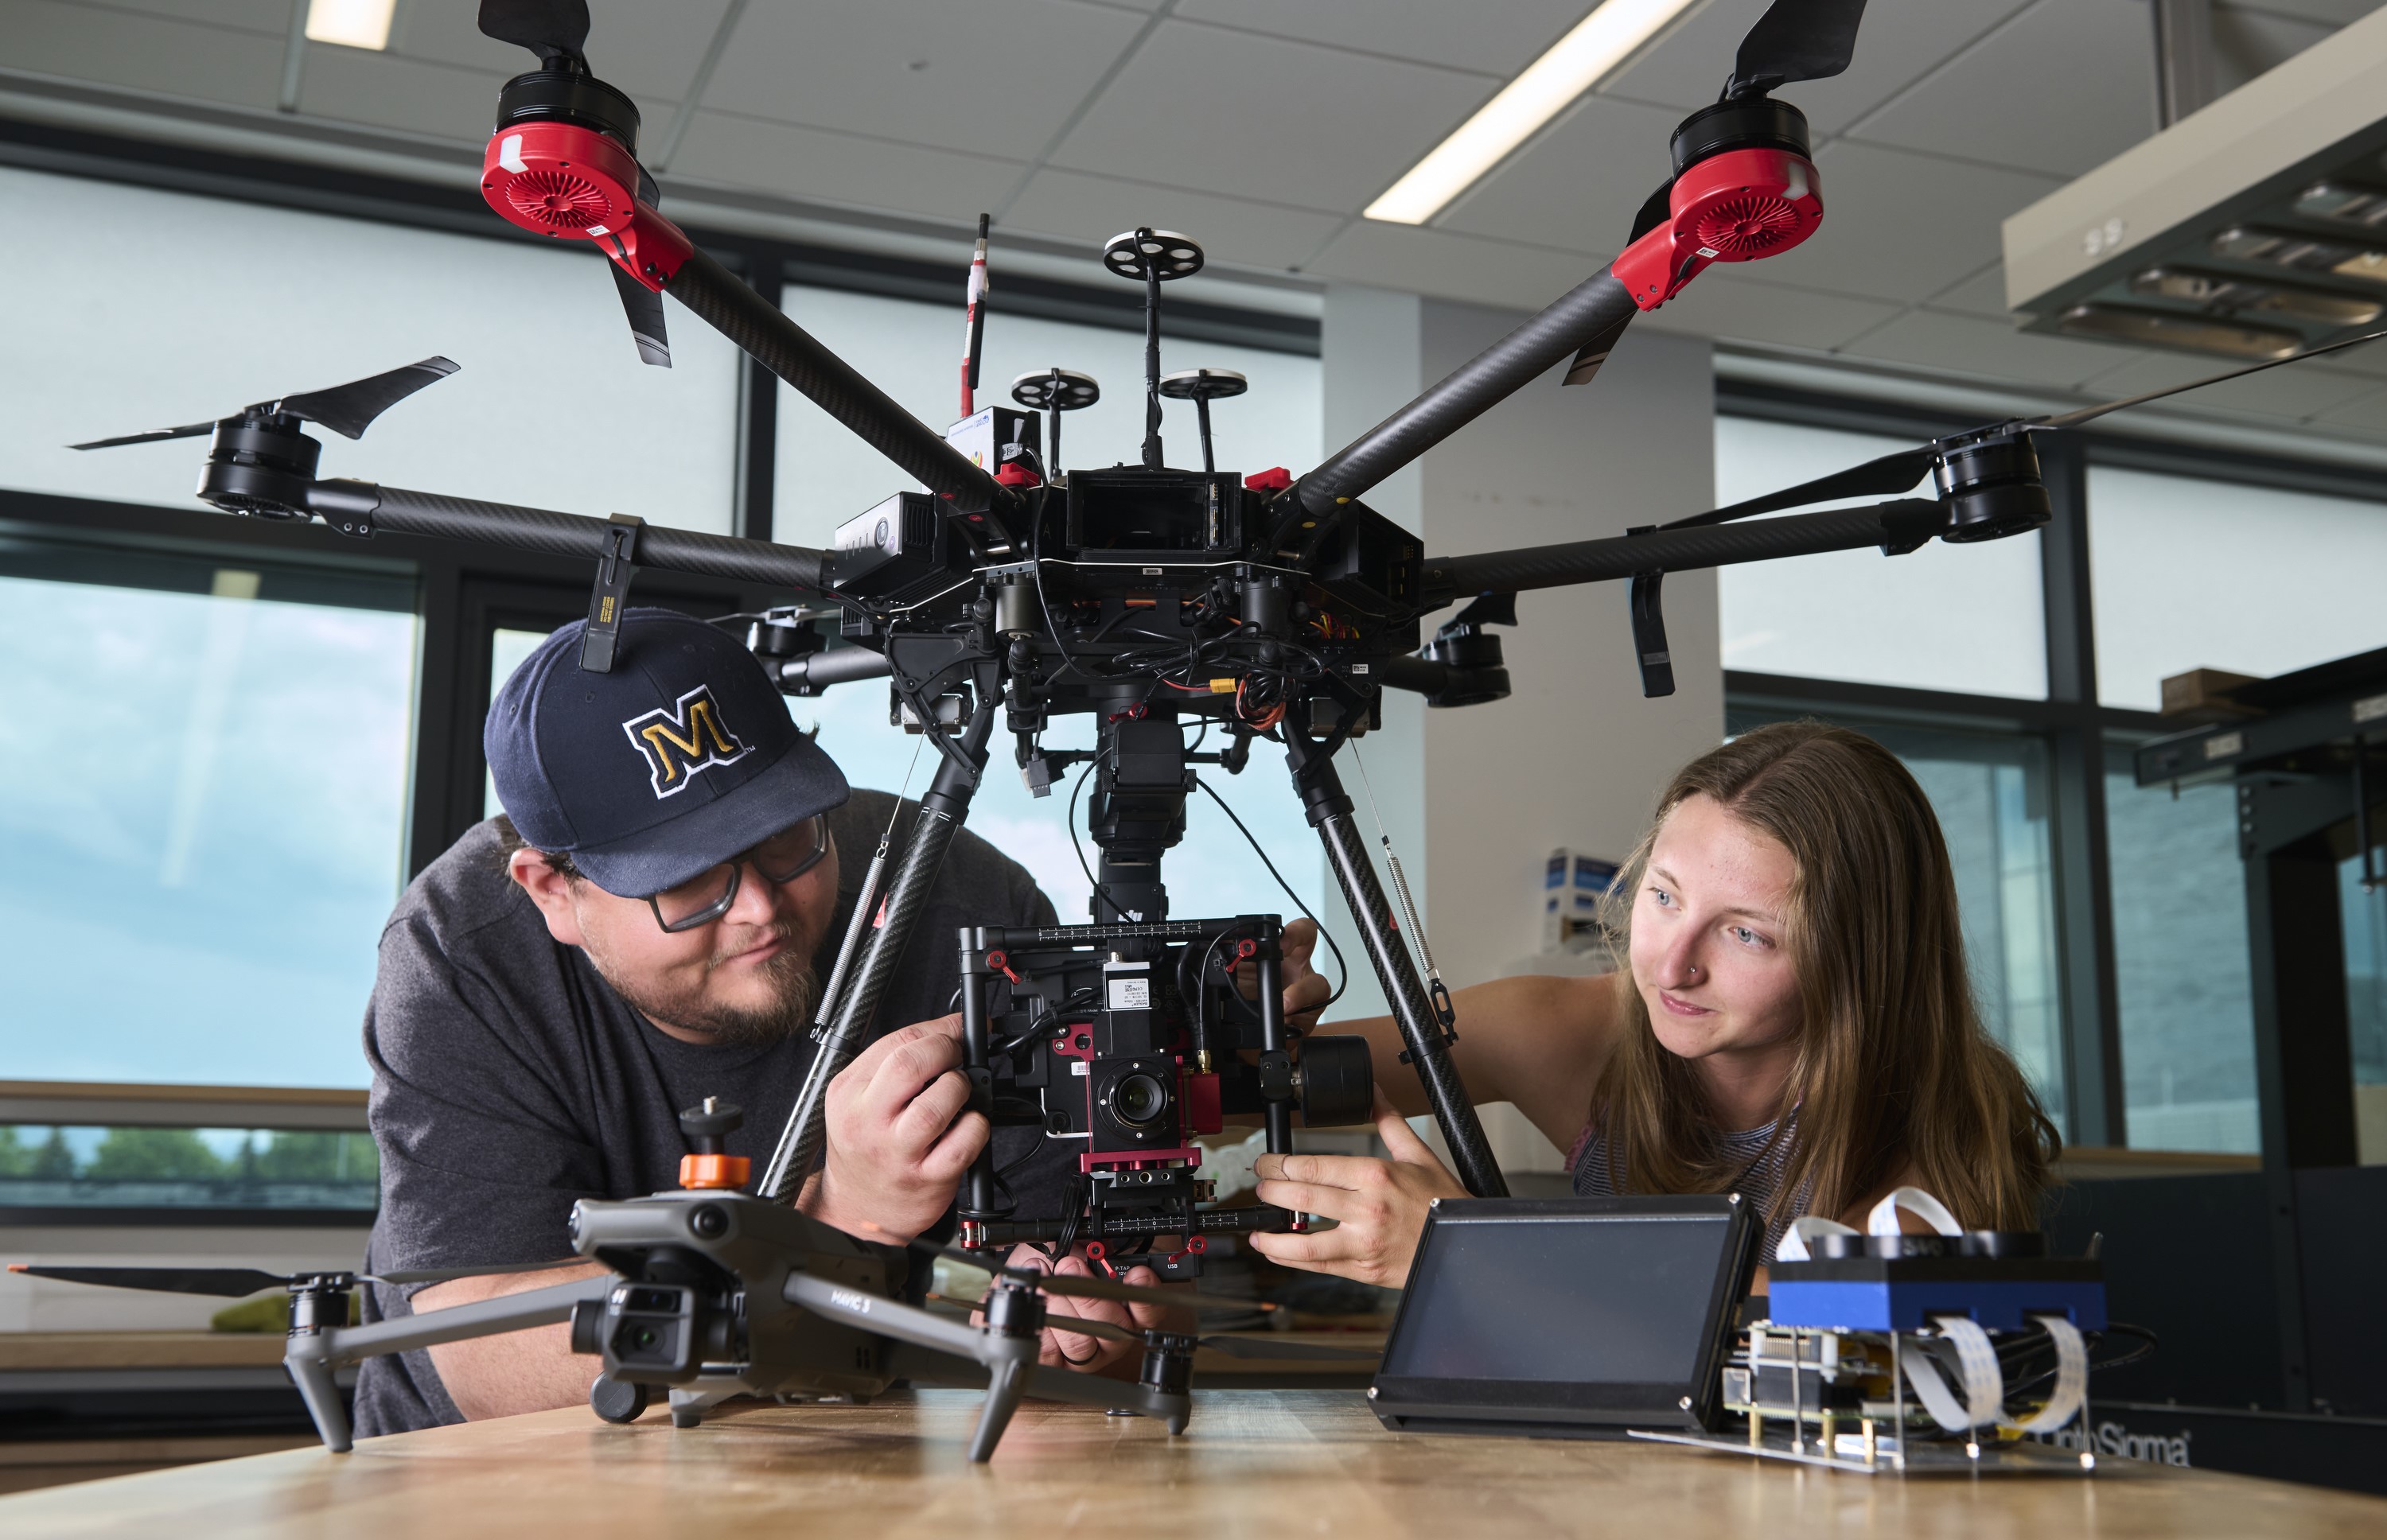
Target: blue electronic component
[[1908, 1304]]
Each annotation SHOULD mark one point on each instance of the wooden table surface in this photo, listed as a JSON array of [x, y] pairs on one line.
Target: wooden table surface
[[1308, 1462]]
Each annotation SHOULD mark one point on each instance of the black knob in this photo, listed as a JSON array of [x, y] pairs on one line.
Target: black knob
[[706, 1126]]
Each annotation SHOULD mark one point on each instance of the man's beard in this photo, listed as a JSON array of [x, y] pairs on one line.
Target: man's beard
[[795, 987]]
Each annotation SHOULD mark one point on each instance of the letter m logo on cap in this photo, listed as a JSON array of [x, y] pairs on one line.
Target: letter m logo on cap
[[676, 744]]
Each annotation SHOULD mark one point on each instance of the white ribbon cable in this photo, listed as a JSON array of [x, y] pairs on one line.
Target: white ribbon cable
[[1808, 1228], [1883, 1220], [1984, 1385], [2071, 1378]]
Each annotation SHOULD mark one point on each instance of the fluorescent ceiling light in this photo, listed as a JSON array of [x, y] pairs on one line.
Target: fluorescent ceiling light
[[350, 23], [1574, 64]]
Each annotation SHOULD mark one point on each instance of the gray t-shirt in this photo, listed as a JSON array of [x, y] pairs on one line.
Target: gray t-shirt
[[510, 1080]]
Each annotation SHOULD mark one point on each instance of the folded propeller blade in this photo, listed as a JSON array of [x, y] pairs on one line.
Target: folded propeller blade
[[644, 309], [1795, 40], [1891, 474], [1089, 1288], [155, 436], [2089, 414], [224, 1283], [554, 30], [347, 409]]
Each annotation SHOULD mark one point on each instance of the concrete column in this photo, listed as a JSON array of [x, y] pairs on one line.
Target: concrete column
[[1476, 798]]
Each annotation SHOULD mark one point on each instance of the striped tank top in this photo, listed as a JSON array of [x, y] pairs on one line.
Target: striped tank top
[[1763, 1157]]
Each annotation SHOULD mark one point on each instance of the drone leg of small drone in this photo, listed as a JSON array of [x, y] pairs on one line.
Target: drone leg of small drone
[[1005, 1380], [688, 1405], [313, 1378]]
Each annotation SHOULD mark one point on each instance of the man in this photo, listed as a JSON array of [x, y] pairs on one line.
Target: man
[[650, 925]]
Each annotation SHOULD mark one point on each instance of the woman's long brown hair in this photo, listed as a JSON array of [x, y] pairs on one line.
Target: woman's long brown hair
[[1894, 1071]]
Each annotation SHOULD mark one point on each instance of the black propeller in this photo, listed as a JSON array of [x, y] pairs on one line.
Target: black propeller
[[1893, 473], [347, 409], [555, 29], [1090, 1288], [240, 1283], [1234, 1347], [1795, 40], [642, 306]]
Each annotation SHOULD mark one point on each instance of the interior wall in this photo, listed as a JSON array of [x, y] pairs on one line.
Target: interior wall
[[1477, 798]]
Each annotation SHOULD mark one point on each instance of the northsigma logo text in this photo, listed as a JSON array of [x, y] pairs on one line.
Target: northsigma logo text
[[676, 744]]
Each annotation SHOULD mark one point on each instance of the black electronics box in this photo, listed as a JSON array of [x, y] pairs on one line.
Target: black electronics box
[[1369, 562], [1127, 514], [1568, 1317], [904, 551]]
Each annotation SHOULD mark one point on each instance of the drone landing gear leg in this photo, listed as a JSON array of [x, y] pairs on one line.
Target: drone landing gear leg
[[688, 1405], [1429, 1049], [313, 1378], [1005, 1383]]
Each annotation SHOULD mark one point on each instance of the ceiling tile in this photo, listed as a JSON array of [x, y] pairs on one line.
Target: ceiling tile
[[994, 77], [1498, 40], [1289, 122], [1577, 186], [840, 167], [1988, 350], [171, 57], [270, 17], [2063, 89], [2364, 414], [648, 50], [2247, 43], [2333, 13], [1897, 43], [1455, 267], [1730, 306], [1984, 293], [390, 91], [1900, 226], [1094, 208]]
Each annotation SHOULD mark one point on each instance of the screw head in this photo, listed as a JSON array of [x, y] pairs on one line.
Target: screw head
[[1684, 1403], [1372, 1392]]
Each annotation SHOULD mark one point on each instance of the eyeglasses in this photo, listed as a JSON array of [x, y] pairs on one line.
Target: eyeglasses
[[707, 896]]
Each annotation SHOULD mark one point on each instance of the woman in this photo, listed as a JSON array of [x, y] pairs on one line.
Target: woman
[[1795, 1024]]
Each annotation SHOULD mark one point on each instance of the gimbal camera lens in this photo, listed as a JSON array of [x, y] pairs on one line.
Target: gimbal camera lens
[[1140, 1098]]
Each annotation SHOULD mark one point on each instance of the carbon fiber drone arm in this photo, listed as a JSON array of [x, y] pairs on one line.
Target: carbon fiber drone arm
[[312, 1355], [361, 504], [1896, 526], [1598, 306]]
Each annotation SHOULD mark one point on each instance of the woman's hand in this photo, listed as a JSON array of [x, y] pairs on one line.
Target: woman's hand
[[1063, 1348], [1379, 1207], [1306, 994]]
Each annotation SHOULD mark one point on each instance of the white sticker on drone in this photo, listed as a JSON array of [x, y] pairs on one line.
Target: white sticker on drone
[[510, 153], [1130, 994]]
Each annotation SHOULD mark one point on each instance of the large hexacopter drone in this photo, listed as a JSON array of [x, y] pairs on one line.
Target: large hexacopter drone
[[1156, 599]]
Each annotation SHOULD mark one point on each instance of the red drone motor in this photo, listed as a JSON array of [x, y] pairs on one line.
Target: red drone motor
[[1743, 190], [563, 162]]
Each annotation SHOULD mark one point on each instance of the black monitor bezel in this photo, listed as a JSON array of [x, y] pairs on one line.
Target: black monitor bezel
[[1550, 1408]]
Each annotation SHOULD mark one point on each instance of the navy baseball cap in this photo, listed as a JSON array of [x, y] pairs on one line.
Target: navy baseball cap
[[679, 759]]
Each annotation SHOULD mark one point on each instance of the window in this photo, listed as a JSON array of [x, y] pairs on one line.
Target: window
[[203, 773], [2206, 574], [1961, 618], [75, 1168], [162, 308], [827, 476], [2366, 998], [2180, 965]]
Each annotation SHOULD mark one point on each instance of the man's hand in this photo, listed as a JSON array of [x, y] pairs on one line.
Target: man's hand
[[1087, 1355], [1305, 993], [896, 1148], [1379, 1206]]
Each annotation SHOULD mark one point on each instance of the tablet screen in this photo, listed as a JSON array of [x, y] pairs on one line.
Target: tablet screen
[[1582, 1298]]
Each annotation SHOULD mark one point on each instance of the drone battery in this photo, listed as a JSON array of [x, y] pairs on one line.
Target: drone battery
[[1157, 516], [903, 551], [986, 434]]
